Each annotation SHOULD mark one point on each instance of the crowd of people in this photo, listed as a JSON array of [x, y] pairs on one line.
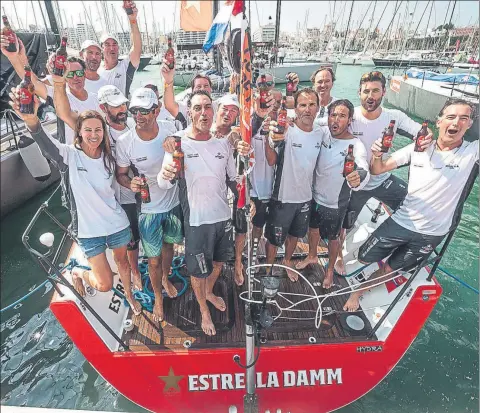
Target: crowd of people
[[298, 184]]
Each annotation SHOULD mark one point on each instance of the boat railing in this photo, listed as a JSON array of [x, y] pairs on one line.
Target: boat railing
[[51, 266]]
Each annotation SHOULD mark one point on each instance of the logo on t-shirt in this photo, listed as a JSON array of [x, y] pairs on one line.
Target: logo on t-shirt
[[81, 168], [219, 156], [143, 158], [297, 145], [117, 75], [192, 155], [318, 145], [452, 166], [357, 133]]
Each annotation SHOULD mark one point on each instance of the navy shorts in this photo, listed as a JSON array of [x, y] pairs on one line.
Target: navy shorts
[[258, 220], [286, 219], [94, 246], [132, 215], [327, 220]]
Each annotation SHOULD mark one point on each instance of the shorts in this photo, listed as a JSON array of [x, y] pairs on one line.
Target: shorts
[[94, 246], [286, 219], [132, 215], [327, 220], [258, 220], [407, 247], [205, 244], [155, 229], [391, 192]]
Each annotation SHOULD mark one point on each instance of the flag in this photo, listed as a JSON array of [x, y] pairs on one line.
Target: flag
[[196, 16], [237, 7], [217, 31]]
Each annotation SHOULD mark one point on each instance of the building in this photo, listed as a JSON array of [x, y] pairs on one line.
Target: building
[[183, 38], [85, 32], [264, 34]]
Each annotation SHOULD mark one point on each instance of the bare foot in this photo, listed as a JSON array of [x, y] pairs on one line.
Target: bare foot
[[137, 282], [352, 303], [207, 324], [239, 278], [170, 289], [134, 305], [217, 302], [77, 281], [328, 281], [158, 310], [306, 262], [291, 274], [340, 266]]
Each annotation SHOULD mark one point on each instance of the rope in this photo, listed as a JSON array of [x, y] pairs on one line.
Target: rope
[[24, 297], [457, 279]]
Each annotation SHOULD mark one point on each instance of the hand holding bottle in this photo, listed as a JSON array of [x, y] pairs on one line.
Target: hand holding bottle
[[353, 179], [31, 120]]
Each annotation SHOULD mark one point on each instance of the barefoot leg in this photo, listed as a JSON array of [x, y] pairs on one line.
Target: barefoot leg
[[290, 245], [353, 302], [123, 266], [313, 239], [199, 286], [333, 246], [218, 302], [239, 246], [133, 261], [167, 257], [77, 281], [155, 272]]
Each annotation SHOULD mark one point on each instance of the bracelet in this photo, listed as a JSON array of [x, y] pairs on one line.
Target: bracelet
[[377, 157], [133, 22], [165, 85]]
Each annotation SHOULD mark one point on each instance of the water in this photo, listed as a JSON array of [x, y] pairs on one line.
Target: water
[[40, 367]]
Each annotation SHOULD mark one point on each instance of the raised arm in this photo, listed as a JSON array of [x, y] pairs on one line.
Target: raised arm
[[61, 102], [136, 50], [168, 94], [378, 165]]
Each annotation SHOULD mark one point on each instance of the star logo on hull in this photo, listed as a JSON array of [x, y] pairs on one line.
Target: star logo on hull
[[171, 382]]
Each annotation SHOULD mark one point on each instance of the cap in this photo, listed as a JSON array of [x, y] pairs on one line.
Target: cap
[[88, 43], [229, 100], [143, 98], [106, 36], [111, 95]]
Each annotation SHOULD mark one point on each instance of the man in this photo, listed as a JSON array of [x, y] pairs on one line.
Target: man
[[281, 55], [120, 74], [159, 222], [436, 192], [114, 106], [294, 160], [331, 190], [164, 114], [91, 53], [203, 195], [369, 122]]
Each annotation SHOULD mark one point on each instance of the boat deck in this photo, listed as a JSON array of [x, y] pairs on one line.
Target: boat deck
[[182, 316]]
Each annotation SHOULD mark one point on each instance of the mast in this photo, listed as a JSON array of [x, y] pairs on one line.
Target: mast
[[217, 57], [348, 26], [277, 27], [87, 16], [146, 27], [426, 28], [447, 34], [369, 32], [20, 25], [34, 14], [419, 21], [53, 21], [43, 17]]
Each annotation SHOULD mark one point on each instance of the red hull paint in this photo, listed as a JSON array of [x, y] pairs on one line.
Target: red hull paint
[[136, 375]]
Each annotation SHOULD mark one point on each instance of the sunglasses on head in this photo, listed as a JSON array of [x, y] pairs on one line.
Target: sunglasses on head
[[79, 73], [373, 74], [268, 83], [142, 111]]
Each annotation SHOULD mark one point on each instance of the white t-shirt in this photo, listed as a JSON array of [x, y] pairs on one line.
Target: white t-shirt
[[92, 86], [294, 175], [78, 106], [147, 157], [207, 166], [368, 131], [261, 176], [120, 76], [322, 115], [124, 195], [435, 185], [330, 188]]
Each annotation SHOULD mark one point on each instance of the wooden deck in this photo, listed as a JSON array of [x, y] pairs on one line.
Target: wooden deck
[[183, 319]]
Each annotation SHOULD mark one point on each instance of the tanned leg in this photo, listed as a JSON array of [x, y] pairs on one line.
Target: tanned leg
[[239, 246], [167, 257], [333, 247], [120, 257], [290, 245], [313, 240], [99, 277], [133, 261], [211, 279], [199, 286], [155, 271], [271, 254], [339, 264]]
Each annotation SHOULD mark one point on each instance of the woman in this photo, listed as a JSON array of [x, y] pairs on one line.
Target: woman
[[102, 223]]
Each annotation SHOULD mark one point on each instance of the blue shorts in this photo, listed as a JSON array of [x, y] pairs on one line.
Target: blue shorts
[[158, 228], [94, 246]]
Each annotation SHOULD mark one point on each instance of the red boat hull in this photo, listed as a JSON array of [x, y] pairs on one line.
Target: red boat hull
[[299, 379]]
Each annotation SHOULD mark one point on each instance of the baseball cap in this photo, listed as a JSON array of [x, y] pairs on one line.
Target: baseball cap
[[111, 95], [229, 100], [88, 43], [106, 36], [143, 98]]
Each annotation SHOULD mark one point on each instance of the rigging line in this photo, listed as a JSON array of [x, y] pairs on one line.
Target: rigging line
[[376, 27], [258, 15], [391, 21], [420, 20], [348, 26], [360, 25]]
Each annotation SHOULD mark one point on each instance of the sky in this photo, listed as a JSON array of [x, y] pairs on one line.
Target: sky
[[166, 13]]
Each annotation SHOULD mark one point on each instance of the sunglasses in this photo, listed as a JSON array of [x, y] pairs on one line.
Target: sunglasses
[[268, 83], [79, 73], [142, 111], [373, 74]]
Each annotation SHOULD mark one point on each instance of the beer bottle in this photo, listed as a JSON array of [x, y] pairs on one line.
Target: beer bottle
[[263, 89], [60, 58], [388, 137], [127, 5], [421, 136], [273, 115], [144, 190], [9, 33], [349, 163], [178, 159], [290, 86], [282, 117], [376, 213], [26, 93], [170, 55]]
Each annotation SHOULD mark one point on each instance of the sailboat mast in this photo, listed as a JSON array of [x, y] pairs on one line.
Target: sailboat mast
[[277, 26], [146, 28], [348, 27], [369, 33]]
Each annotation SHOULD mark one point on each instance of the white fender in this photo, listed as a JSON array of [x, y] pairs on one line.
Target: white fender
[[32, 156]]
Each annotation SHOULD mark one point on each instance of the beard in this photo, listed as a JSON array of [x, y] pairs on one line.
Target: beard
[[371, 107], [120, 117], [92, 65]]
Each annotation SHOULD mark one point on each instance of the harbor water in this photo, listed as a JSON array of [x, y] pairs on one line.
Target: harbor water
[[40, 367]]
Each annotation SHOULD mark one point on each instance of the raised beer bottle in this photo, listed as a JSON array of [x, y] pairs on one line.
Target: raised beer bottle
[[349, 163], [421, 137], [26, 93], [282, 117], [387, 138], [127, 5], [290, 86], [144, 190], [60, 58], [10, 34], [170, 55], [265, 129], [263, 89], [179, 160]]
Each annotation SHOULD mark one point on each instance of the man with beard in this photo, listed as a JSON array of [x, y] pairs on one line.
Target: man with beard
[[91, 53], [114, 106], [432, 208], [369, 122], [294, 161], [331, 189], [120, 73], [159, 222], [203, 195]]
